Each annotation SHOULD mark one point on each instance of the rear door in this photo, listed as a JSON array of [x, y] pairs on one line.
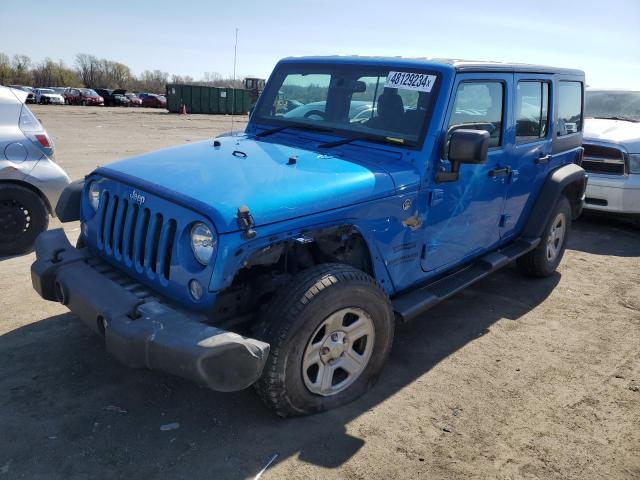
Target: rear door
[[530, 154], [463, 216]]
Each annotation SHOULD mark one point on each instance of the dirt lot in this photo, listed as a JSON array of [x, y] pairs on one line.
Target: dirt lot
[[510, 379]]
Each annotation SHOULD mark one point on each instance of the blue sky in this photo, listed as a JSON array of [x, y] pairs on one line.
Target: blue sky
[[193, 37]]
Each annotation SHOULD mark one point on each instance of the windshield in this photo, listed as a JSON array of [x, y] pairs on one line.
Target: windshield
[[378, 103], [46, 90], [618, 104]]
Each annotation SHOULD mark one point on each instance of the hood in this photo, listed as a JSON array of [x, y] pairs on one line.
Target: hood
[[626, 134], [243, 171]]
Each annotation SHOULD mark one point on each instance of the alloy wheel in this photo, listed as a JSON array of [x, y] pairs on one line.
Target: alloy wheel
[[556, 237], [338, 351]]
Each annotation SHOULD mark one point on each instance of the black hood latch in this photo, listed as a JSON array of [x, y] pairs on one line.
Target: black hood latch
[[246, 222]]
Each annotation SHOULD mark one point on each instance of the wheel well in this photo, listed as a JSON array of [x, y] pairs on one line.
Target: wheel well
[[573, 192], [272, 267], [28, 186]]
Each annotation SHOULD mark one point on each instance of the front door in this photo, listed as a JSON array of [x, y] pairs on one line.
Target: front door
[[463, 217]]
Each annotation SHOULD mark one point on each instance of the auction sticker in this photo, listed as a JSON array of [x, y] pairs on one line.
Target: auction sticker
[[410, 81]]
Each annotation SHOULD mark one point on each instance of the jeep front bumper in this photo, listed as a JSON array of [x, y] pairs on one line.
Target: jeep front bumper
[[143, 332]]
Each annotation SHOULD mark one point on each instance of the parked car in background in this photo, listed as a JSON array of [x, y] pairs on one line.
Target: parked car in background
[[134, 100], [310, 236], [154, 101], [59, 90], [359, 111], [48, 96], [142, 95], [121, 100], [31, 97], [113, 98], [30, 180], [612, 152], [82, 96], [106, 94]]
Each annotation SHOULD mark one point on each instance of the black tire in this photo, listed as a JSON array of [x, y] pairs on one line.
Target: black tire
[[293, 317], [23, 216], [537, 263]]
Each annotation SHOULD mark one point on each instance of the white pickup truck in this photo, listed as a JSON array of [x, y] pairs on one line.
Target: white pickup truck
[[612, 152]]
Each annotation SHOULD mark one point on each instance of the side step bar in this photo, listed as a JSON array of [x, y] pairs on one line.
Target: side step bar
[[412, 304]]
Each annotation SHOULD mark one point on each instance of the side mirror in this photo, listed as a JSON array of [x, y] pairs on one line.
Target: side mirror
[[465, 146]]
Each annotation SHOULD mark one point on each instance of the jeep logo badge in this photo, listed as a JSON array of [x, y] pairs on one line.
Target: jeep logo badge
[[136, 197]]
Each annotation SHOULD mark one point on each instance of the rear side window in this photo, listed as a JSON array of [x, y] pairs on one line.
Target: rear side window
[[479, 106], [532, 107], [569, 108]]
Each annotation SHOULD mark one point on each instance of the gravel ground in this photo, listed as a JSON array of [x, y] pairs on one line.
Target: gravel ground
[[512, 378]]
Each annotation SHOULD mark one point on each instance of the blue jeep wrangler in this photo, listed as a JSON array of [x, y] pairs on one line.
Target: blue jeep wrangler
[[363, 192]]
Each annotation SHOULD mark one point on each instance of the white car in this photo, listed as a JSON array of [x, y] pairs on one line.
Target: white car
[[612, 152], [30, 179], [48, 96]]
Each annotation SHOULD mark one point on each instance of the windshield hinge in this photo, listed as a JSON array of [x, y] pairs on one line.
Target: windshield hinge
[[246, 222]]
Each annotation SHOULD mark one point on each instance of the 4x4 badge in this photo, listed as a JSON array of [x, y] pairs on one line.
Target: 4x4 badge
[[406, 205]]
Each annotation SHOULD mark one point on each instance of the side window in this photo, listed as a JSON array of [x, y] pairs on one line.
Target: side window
[[479, 106], [569, 108], [532, 111]]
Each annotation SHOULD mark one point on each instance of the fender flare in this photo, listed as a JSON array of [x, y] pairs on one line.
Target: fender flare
[[68, 207], [554, 186]]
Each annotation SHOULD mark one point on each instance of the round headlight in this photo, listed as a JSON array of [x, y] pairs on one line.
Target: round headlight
[[203, 243], [94, 195]]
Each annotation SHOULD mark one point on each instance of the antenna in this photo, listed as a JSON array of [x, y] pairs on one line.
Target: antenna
[[235, 56]]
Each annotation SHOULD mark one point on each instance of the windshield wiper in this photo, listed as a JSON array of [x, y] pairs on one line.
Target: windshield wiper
[[353, 138], [624, 119], [266, 133]]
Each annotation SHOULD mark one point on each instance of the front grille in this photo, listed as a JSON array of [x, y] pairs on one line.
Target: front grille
[[136, 236], [602, 159]]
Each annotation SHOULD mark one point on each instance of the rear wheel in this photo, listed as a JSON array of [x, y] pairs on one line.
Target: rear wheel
[[23, 216], [545, 258], [330, 333]]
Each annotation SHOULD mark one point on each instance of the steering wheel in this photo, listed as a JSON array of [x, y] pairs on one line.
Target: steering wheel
[[319, 113]]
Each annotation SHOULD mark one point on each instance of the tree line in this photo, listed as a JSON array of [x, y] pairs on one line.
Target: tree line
[[93, 72]]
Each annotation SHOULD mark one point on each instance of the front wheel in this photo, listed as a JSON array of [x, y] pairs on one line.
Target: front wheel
[[330, 333], [544, 259], [23, 216]]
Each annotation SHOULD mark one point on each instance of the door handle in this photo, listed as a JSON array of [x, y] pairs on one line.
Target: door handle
[[543, 159], [500, 172]]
